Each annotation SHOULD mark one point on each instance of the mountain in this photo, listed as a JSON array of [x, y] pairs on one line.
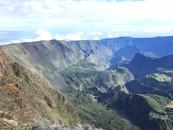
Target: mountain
[[25, 99], [104, 80], [142, 65], [48, 58], [155, 46], [81, 80], [73, 68], [94, 112], [147, 111], [125, 54], [93, 52], [116, 43], [159, 84]]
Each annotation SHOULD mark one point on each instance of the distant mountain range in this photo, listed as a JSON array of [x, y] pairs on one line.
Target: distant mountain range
[[155, 47]]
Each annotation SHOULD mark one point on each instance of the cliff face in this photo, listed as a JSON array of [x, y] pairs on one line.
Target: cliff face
[[48, 58], [93, 52], [24, 98]]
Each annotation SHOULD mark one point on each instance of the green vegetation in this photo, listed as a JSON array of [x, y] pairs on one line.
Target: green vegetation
[[146, 111], [82, 66], [156, 102], [160, 77], [97, 114], [81, 79]]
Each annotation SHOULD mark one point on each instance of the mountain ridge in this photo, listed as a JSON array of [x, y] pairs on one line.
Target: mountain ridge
[[142, 65]]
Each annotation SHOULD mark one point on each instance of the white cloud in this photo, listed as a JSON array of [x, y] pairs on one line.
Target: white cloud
[[43, 34], [75, 36], [80, 36]]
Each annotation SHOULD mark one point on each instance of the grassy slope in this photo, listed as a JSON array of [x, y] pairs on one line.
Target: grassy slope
[[24, 98]]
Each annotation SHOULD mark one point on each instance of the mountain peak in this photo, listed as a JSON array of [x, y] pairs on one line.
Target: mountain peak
[[141, 58], [140, 55]]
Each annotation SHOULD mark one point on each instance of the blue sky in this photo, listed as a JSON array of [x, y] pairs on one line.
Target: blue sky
[[27, 20]]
